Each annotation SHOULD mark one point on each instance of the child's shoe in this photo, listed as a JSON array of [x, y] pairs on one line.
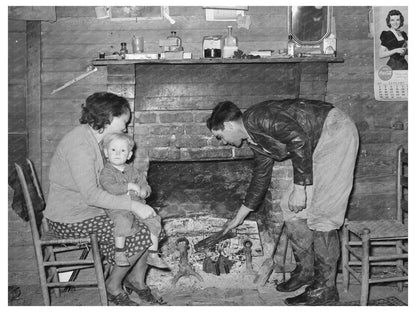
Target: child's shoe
[[121, 259], [154, 259]]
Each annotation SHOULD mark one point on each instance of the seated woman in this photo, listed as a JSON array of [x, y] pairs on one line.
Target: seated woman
[[75, 200]]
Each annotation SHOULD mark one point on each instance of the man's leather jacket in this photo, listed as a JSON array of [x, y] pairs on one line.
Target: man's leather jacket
[[281, 129]]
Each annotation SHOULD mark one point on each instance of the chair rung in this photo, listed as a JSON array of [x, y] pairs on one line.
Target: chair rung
[[384, 263], [75, 267], [353, 252], [388, 257], [74, 283], [387, 279], [68, 248], [84, 240], [355, 274], [374, 243], [67, 262]]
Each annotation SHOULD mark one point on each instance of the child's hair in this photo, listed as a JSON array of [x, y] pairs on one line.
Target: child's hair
[[108, 138]]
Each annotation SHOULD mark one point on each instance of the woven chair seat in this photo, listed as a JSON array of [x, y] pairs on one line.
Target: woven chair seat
[[384, 229]]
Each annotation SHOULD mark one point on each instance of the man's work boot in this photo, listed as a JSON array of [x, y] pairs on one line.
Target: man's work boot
[[323, 290], [301, 240]]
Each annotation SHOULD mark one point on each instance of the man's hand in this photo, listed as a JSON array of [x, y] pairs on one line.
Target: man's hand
[[297, 199], [237, 220], [142, 211]]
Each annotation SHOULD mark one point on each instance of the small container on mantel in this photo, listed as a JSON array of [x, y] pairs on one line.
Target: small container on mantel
[[290, 46], [230, 44], [137, 44], [123, 50]]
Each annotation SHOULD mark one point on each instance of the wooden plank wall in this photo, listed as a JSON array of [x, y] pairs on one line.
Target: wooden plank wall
[[21, 260], [70, 43], [17, 91]]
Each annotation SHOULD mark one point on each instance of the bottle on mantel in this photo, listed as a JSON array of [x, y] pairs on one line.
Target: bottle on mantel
[[123, 50], [230, 44], [290, 46], [178, 46]]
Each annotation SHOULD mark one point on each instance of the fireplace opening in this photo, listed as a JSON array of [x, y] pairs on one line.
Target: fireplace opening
[[187, 189], [195, 199]]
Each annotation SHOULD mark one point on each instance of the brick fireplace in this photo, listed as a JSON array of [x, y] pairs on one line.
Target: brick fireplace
[[191, 174]]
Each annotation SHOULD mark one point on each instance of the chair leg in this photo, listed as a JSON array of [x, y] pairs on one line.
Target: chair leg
[[42, 273], [45, 290], [55, 278], [365, 271], [399, 264], [345, 258], [98, 270]]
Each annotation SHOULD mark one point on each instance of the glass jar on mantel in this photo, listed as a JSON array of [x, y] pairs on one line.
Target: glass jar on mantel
[[230, 44]]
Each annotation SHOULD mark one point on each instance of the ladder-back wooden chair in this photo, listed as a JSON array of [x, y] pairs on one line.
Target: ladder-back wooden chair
[[371, 233], [47, 246]]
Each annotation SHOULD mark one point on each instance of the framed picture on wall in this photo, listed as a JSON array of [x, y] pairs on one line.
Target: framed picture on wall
[[135, 13]]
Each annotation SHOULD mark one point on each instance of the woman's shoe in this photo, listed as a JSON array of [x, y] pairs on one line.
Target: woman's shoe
[[122, 299], [144, 294]]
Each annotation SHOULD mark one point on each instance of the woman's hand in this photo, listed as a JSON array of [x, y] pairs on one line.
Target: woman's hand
[[133, 187], [144, 192], [297, 199], [141, 191], [401, 51], [237, 220], [142, 211]]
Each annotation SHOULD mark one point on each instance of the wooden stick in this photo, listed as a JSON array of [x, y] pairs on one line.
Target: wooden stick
[[82, 76]]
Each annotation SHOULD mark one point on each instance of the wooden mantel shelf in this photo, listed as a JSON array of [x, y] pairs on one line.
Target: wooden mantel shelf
[[310, 59]]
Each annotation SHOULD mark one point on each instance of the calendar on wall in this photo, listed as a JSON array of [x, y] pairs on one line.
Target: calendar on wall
[[390, 53], [395, 88]]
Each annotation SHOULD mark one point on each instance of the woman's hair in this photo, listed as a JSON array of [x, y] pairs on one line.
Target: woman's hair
[[394, 12], [108, 138], [223, 111], [100, 108]]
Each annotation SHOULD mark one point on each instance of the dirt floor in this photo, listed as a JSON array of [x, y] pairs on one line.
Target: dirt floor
[[226, 290]]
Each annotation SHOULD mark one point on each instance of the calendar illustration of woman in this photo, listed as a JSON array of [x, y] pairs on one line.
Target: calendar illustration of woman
[[394, 41]]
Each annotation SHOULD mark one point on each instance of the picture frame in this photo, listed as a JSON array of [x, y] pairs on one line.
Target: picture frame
[[136, 13], [223, 14]]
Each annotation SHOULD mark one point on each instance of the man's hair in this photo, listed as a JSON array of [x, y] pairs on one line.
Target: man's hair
[[222, 112], [392, 13], [108, 138], [100, 108]]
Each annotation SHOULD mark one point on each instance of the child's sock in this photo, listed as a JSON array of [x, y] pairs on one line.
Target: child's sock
[[120, 257]]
